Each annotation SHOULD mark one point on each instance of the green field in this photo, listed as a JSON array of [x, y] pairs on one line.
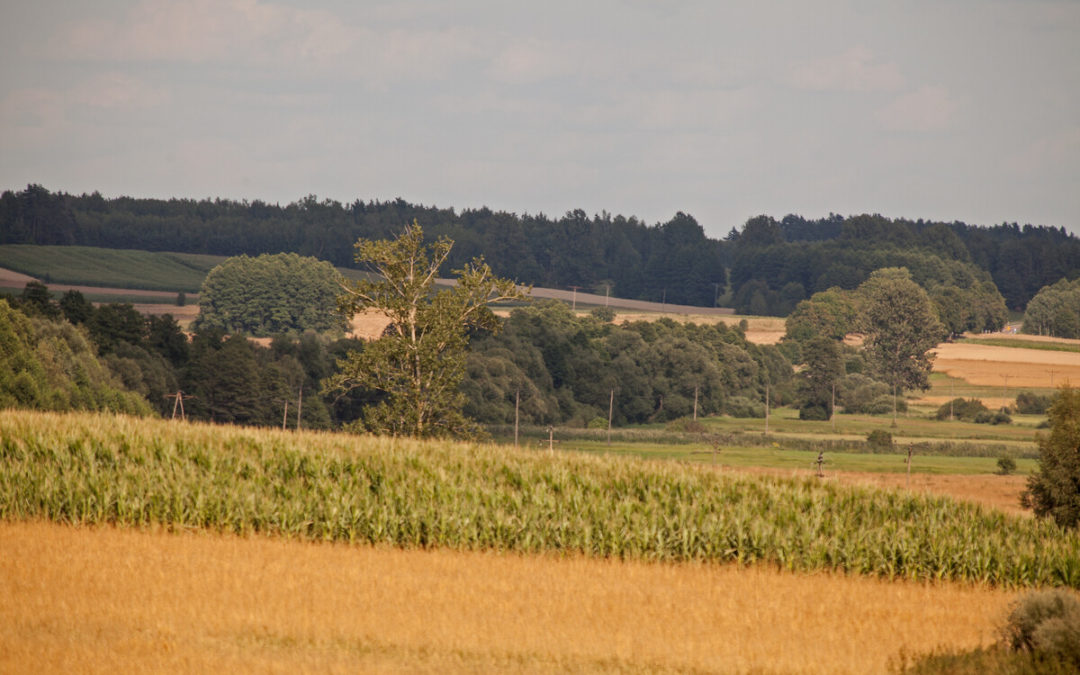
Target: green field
[[114, 268], [86, 468]]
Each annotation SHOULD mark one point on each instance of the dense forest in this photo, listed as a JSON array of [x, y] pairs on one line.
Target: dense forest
[[765, 267]]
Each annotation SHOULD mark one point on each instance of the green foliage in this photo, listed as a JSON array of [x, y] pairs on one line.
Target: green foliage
[[901, 328], [1030, 403], [879, 439], [1054, 490], [50, 365], [1046, 623], [566, 368], [961, 409], [993, 417], [817, 380], [603, 314], [270, 294], [420, 362], [830, 314], [400, 492], [1006, 465], [1055, 310]]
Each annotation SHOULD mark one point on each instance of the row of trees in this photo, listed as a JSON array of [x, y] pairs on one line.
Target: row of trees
[[773, 264]]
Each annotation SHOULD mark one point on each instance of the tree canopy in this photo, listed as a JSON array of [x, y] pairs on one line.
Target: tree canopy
[[1054, 489], [419, 362], [270, 294]]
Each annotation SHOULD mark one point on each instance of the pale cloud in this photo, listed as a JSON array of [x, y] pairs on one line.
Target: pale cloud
[[532, 61], [853, 70], [929, 108], [203, 31], [1057, 151]]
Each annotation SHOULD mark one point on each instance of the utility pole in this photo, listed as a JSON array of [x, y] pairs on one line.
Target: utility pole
[[695, 403], [610, 410], [1051, 371], [178, 402], [299, 407], [517, 407], [285, 415], [766, 408], [832, 412], [1005, 391], [573, 305]]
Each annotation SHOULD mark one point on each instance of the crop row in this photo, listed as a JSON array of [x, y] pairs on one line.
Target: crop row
[[85, 468]]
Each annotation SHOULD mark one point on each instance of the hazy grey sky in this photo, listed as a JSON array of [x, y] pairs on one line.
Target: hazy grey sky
[[937, 109]]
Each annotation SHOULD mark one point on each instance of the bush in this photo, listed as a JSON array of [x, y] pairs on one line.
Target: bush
[[683, 425], [740, 406], [1029, 403], [879, 439], [1006, 465], [813, 412], [993, 418], [962, 409], [1046, 623], [598, 423], [605, 314]]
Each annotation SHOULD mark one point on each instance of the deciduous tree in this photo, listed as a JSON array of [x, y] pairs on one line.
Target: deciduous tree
[[1054, 489], [419, 362]]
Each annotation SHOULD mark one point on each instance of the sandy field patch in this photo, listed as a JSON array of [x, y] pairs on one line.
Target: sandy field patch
[[989, 365], [110, 600]]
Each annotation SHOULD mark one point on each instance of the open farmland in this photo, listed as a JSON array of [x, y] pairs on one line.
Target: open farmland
[[102, 599], [89, 469]]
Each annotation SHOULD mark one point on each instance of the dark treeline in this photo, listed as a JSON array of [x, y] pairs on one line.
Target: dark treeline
[[778, 262], [672, 261], [783, 261]]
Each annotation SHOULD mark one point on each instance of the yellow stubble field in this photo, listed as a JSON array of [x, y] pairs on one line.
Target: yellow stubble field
[[113, 600]]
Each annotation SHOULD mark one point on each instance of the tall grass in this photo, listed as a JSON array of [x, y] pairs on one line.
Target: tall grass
[[82, 468]]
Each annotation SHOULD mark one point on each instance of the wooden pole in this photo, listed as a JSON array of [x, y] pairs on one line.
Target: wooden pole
[[610, 410], [517, 407], [832, 407], [766, 408], [695, 402], [299, 407], [285, 415], [551, 439]]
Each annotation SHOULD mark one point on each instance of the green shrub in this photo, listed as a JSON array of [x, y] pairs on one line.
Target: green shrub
[[1046, 623], [1006, 465], [961, 409], [605, 314], [1029, 403], [988, 417], [740, 406], [682, 425], [879, 439], [598, 423]]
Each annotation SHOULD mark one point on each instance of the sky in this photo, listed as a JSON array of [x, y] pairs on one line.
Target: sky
[[936, 109]]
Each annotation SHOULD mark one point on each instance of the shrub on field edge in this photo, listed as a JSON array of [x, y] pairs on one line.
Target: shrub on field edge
[[1041, 635], [1006, 465], [683, 424], [966, 409], [879, 439], [1030, 403]]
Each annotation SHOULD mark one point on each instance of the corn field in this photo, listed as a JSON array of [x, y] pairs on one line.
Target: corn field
[[89, 469]]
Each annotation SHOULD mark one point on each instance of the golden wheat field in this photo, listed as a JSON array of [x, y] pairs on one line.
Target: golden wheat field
[[115, 600], [989, 365]]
